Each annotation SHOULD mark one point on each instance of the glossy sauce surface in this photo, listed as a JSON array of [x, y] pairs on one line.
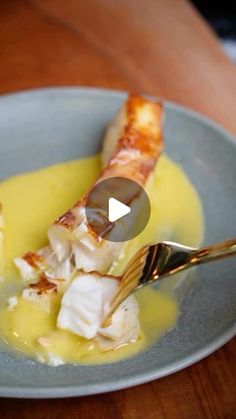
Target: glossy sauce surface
[[32, 201]]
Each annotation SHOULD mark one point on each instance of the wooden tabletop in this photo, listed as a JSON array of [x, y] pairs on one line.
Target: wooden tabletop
[[161, 47]]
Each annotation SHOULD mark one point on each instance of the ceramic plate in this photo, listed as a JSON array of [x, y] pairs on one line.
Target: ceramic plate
[[46, 126]]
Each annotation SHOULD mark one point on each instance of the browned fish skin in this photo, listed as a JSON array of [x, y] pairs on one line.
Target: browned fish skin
[[44, 285], [33, 259]]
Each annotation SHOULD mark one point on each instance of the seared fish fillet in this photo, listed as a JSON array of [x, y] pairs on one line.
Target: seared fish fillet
[[131, 147]]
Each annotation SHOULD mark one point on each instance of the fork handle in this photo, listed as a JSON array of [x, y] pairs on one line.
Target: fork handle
[[218, 251]]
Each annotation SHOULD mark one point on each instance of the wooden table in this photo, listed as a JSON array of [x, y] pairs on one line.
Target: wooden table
[[159, 47]]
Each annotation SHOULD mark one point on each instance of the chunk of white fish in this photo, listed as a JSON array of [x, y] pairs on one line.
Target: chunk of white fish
[[85, 304]]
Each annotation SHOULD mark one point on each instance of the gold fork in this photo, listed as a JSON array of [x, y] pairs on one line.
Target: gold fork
[[156, 261]]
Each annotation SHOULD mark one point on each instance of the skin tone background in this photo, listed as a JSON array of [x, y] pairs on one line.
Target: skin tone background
[[160, 47]]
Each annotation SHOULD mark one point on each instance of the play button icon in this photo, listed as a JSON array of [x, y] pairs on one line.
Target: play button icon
[[117, 209]]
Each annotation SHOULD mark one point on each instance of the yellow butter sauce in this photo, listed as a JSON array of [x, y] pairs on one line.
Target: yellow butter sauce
[[32, 201]]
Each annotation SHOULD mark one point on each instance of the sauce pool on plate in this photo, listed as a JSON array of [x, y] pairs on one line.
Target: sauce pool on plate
[[32, 201]]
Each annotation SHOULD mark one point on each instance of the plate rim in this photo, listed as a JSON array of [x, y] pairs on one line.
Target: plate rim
[[100, 91], [110, 386], [140, 378]]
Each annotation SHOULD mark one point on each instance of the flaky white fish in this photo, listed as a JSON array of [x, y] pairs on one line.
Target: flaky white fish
[[85, 304]]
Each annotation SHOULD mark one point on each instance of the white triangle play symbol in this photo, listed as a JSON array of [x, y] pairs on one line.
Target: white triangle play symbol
[[116, 209]]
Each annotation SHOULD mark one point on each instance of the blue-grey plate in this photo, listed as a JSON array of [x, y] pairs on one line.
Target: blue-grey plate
[[42, 127]]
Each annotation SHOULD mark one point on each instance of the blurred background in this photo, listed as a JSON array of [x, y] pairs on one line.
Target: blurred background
[[181, 50], [222, 17]]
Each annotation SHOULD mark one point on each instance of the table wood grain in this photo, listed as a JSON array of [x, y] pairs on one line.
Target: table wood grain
[[160, 47]]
